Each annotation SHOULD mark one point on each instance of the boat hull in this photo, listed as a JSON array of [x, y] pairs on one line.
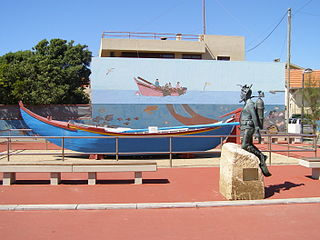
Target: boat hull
[[148, 89], [88, 141]]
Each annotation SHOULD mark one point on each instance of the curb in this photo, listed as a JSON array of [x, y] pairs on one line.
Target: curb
[[31, 207]]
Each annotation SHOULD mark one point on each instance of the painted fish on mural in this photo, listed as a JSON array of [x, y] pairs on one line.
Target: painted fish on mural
[[150, 109]]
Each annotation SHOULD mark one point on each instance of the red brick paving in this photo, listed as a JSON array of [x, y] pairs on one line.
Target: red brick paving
[[19, 145], [291, 221], [285, 222], [165, 185]]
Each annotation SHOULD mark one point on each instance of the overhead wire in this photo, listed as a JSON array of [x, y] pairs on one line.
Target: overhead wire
[[171, 8], [166, 11], [233, 16], [299, 10], [302, 7], [263, 40], [310, 14]]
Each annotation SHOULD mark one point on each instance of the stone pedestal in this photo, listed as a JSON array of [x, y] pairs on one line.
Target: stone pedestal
[[240, 174]]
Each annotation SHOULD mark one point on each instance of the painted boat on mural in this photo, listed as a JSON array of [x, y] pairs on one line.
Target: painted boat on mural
[[152, 140], [147, 88]]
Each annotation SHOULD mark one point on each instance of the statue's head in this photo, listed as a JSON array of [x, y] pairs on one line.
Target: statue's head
[[245, 92]]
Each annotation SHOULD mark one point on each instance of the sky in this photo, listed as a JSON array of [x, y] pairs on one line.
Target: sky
[[26, 22]]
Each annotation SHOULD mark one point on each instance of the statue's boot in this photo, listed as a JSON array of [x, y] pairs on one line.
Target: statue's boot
[[262, 158], [263, 165]]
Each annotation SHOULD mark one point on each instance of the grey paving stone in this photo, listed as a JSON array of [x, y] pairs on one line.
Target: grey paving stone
[[156, 205], [106, 206], [166, 205], [7, 207], [46, 207]]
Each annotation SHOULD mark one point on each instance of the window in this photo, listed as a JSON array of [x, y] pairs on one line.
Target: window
[[129, 54], [223, 58], [167, 55], [191, 56], [147, 55]]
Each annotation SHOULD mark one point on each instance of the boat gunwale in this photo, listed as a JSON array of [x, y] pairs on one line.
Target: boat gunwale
[[54, 123], [103, 131]]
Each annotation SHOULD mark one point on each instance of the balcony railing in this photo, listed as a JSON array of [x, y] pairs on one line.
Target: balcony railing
[[155, 36]]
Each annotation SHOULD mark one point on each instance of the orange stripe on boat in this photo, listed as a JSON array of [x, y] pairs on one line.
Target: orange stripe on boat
[[103, 132]]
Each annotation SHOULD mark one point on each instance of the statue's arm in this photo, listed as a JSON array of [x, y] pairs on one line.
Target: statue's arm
[[253, 115], [255, 120]]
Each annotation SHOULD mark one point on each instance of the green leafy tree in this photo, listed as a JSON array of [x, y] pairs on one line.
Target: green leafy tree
[[51, 73], [311, 94]]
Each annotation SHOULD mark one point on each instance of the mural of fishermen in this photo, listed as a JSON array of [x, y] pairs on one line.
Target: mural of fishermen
[[251, 123]]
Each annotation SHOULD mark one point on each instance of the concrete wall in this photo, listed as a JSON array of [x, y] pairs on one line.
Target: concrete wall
[[212, 90], [233, 46], [203, 76]]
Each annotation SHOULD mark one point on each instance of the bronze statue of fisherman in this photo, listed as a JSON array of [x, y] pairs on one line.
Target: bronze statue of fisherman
[[250, 124]]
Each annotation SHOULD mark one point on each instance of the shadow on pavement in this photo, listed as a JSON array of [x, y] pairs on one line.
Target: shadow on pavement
[[85, 182], [272, 189]]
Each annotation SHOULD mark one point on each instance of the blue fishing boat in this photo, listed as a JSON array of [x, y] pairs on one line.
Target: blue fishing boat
[[102, 140]]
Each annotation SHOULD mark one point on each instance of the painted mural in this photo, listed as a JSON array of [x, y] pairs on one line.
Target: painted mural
[[142, 115], [133, 92], [181, 81]]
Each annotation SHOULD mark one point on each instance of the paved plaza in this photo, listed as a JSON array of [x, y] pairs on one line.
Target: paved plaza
[[179, 202]]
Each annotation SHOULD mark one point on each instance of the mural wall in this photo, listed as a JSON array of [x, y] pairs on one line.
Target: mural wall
[[136, 93], [10, 117]]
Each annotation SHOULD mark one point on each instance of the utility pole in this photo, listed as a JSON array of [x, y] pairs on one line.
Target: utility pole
[[288, 69], [204, 16]]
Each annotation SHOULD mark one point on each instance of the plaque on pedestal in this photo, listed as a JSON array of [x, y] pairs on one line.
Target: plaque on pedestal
[[240, 175]]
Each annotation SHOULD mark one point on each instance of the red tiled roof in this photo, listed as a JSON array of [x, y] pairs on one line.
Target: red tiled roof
[[309, 78]]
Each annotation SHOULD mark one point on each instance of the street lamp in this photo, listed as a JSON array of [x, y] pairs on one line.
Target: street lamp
[[307, 70], [276, 91]]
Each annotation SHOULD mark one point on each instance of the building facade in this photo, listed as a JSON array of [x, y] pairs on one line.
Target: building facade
[[174, 46]]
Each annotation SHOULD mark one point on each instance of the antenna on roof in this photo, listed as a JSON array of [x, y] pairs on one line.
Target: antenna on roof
[[204, 16]]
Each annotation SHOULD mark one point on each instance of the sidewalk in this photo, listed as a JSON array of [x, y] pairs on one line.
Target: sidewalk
[[276, 222], [281, 221], [190, 181]]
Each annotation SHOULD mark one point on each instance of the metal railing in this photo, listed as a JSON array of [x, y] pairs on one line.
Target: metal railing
[[116, 152], [268, 139], [154, 36], [286, 143]]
